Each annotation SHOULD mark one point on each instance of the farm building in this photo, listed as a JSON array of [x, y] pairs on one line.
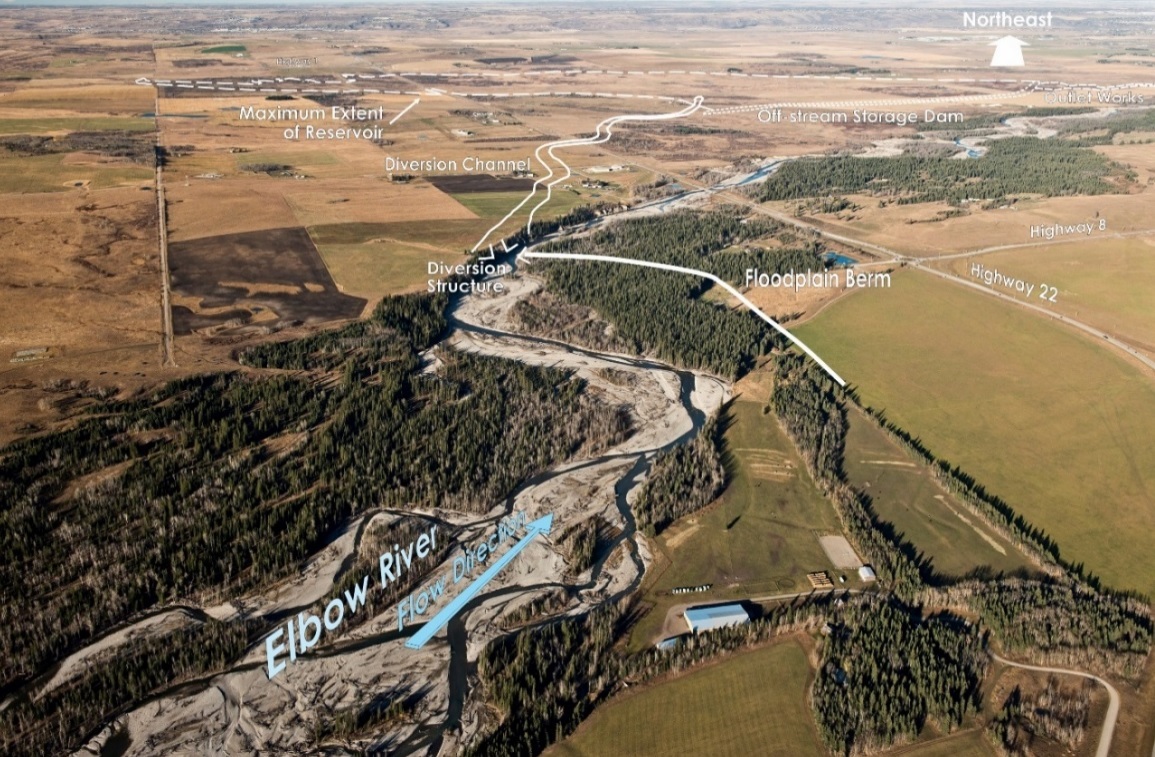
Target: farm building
[[709, 618], [866, 573]]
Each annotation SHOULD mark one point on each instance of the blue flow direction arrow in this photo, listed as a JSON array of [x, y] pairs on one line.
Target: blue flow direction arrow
[[425, 633]]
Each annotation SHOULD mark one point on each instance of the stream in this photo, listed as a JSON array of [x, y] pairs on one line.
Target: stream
[[429, 739]]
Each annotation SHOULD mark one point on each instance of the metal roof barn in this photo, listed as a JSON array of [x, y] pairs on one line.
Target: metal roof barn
[[719, 616]]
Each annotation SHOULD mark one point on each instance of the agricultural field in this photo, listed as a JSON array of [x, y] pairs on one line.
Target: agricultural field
[[749, 703], [275, 278], [904, 493], [760, 538], [1104, 282], [95, 100], [1073, 424], [66, 124], [972, 743], [62, 172], [919, 231]]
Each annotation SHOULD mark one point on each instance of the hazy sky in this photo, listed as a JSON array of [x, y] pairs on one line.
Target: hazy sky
[[952, 4]]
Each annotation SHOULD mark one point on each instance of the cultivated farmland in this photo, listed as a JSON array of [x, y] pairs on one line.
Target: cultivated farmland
[[1059, 427], [751, 703]]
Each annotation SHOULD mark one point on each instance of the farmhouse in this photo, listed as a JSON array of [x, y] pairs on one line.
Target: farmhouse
[[719, 616]]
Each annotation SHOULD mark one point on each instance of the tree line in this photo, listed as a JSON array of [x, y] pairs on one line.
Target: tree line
[[664, 313], [218, 485], [887, 672], [1060, 617], [1016, 165], [545, 679], [683, 479]]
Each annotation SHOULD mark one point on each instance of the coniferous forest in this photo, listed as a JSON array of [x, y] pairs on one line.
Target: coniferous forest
[[682, 480], [886, 672], [215, 485], [1016, 165], [892, 662], [663, 313]]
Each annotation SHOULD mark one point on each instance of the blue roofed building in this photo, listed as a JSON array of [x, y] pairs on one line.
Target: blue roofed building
[[719, 616]]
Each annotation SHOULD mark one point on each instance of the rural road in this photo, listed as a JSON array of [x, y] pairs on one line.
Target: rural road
[[1112, 708], [898, 257], [168, 359]]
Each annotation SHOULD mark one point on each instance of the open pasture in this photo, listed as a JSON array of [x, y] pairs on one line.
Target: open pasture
[[1058, 426], [748, 703]]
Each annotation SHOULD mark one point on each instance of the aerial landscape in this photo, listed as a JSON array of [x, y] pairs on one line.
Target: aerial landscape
[[577, 379]]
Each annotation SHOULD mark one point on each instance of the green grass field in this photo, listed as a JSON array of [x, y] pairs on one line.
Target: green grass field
[[759, 539], [375, 270], [225, 49], [1057, 425], [753, 703], [48, 173], [905, 494], [972, 743], [762, 530], [95, 123], [496, 204], [1106, 282]]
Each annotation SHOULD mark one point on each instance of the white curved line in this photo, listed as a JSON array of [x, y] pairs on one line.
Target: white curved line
[[602, 133], [702, 274]]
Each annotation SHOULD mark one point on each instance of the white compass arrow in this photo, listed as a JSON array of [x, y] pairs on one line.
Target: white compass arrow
[[1008, 52]]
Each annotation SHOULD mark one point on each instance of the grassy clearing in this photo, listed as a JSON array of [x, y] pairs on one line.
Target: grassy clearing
[[972, 743], [453, 235], [760, 537], [497, 204], [751, 703], [48, 173], [1105, 282], [96, 123], [225, 49], [905, 494], [376, 270], [1061, 428]]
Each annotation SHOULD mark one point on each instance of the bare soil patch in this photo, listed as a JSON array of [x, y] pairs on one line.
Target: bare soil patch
[[482, 182], [281, 270]]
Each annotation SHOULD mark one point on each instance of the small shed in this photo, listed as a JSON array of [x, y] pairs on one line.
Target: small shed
[[866, 574]]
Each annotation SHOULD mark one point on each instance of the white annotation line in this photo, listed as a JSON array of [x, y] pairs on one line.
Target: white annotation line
[[403, 112], [601, 134], [701, 274]]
